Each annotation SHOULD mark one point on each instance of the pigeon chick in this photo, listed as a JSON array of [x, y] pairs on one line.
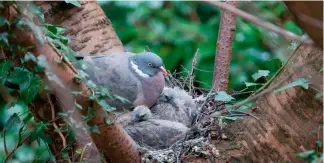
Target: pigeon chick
[[175, 104], [138, 78]]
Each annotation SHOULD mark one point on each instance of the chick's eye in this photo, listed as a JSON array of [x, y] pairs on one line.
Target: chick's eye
[[149, 64]]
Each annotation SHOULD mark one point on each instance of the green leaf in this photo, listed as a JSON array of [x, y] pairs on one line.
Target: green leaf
[[78, 151], [298, 82], [260, 73], [27, 118], [232, 118], [94, 129], [30, 56], [3, 21], [73, 2], [105, 105], [45, 138], [37, 132], [4, 70], [14, 119], [248, 84], [4, 38], [223, 96], [54, 29], [37, 11], [122, 99], [318, 95], [305, 154]]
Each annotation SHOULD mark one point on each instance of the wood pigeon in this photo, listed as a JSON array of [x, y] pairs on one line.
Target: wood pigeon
[[135, 77]]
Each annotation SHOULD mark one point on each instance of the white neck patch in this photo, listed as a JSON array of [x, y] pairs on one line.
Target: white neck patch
[[138, 71]]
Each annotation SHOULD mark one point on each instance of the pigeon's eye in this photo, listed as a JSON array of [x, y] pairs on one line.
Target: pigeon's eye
[[149, 64]]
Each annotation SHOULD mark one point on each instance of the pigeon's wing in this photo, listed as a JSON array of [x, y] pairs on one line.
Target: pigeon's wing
[[112, 71]]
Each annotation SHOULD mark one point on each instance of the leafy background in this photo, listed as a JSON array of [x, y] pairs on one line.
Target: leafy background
[[175, 30]]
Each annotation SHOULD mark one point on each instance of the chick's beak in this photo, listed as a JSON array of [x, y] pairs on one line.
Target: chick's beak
[[162, 69]]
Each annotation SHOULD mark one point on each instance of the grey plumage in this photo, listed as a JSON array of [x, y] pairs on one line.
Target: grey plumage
[[156, 133], [175, 104], [137, 78], [171, 118]]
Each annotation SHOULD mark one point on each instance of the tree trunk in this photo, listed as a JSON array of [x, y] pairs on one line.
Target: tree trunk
[[91, 32], [290, 121], [88, 27]]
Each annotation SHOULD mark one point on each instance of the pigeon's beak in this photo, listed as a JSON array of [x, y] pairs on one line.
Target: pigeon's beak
[[163, 70]]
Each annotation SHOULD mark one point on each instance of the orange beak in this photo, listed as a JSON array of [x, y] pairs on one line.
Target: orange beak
[[163, 70]]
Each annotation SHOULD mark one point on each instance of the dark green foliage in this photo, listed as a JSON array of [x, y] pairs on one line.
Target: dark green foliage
[[175, 30]]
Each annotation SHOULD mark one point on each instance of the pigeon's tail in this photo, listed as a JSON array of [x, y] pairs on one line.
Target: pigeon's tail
[[79, 57]]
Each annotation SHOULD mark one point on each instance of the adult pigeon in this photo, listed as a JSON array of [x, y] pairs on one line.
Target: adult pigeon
[[135, 77]]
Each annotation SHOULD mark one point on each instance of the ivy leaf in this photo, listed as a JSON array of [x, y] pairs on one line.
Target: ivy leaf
[[73, 2], [37, 132], [21, 77], [122, 99], [27, 118], [37, 11], [318, 95], [298, 82], [55, 29], [223, 96], [4, 70], [105, 105], [78, 151], [232, 118], [94, 129], [260, 73], [44, 137], [305, 154], [14, 119], [3, 21], [248, 84], [29, 56], [29, 94], [4, 38]]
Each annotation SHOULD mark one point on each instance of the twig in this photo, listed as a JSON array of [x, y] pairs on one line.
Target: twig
[[4, 141], [261, 23], [191, 73], [245, 113], [13, 151], [55, 125], [191, 76]]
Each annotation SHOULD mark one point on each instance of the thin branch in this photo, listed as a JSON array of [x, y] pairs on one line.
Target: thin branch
[[224, 49], [4, 142], [55, 125], [191, 75], [13, 151], [261, 23], [271, 89]]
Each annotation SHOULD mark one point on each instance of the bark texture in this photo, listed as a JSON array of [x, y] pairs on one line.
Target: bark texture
[[309, 16], [289, 120], [91, 33], [112, 140], [224, 49], [90, 30]]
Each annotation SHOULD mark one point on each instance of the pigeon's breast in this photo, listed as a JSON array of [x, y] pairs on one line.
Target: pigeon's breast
[[152, 88]]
